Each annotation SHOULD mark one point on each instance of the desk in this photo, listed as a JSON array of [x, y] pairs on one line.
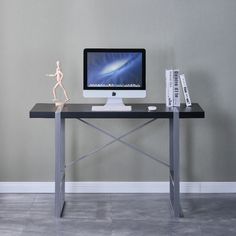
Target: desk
[[83, 111]]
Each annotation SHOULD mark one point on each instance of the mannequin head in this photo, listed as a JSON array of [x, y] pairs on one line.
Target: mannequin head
[[58, 64]]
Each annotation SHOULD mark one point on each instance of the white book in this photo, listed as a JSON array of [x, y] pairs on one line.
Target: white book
[[169, 88], [185, 90], [176, 92]]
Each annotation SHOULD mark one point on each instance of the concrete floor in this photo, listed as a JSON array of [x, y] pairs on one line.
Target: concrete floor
[[117, 215]]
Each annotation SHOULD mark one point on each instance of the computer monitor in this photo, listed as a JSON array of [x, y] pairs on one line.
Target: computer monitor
[[114, 73]]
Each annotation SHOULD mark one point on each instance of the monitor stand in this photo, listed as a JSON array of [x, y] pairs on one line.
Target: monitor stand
[[112, 104]]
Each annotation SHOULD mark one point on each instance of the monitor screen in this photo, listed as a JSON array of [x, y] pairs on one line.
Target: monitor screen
[[114, 69]]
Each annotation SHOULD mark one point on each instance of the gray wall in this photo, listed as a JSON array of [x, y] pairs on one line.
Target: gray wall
[[198, 37]]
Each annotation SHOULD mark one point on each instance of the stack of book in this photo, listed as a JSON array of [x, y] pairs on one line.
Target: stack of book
[[173, 79]]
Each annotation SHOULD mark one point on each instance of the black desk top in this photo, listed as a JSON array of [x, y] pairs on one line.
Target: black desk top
[[47, 110]]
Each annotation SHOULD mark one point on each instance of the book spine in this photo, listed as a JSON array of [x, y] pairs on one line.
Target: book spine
[[185, 90], [169, 88], [176, 92]]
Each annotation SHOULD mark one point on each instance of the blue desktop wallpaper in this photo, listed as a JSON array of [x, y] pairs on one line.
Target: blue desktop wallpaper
[[114, 69]]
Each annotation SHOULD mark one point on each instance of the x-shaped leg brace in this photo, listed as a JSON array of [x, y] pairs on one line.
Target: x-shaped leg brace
[[117, 139]]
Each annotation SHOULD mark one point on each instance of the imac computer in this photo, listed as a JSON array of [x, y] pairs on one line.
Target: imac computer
[[114, 74]]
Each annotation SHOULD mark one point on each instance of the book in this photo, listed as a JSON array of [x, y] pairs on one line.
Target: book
[[185, 90], [172, 88], [176, 92], [169, 88]]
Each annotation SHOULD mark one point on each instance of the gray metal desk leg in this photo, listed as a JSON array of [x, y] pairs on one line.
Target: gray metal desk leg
[[59, 163], [174, 164]]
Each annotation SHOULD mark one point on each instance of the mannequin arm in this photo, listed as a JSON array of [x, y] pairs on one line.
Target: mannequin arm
[[51, 75]]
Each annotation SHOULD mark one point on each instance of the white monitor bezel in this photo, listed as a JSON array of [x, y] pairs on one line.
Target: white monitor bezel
[[114, 93]]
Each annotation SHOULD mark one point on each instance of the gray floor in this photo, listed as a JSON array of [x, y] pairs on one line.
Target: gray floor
[[117, 214]]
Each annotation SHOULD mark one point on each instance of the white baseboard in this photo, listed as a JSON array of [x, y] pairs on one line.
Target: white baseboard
[[118, 187]]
